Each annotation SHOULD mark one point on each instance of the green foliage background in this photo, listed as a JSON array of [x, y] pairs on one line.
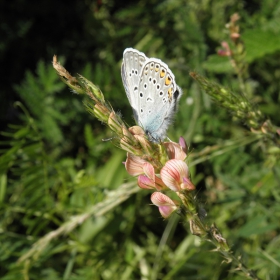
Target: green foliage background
[[64, 193]]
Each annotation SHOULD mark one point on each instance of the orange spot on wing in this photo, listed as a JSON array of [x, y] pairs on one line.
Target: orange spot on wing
[[170, 93], [167, 81], [162, 73]]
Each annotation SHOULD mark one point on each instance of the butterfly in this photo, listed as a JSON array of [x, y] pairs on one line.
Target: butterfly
[[152, 92]]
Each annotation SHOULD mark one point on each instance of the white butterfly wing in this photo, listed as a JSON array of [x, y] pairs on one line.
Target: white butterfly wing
[[133, 62], [158, 96]]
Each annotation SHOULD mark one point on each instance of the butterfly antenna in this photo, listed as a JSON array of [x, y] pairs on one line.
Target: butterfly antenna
[[109, 139]]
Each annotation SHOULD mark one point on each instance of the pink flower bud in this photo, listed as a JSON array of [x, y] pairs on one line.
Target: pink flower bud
[[234, 36], [183, 144], [136, 130], [114, 124], [226, 51], [223, 53], [225, 45]]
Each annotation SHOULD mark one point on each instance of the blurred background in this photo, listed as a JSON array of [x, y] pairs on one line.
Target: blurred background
[[54, 165]]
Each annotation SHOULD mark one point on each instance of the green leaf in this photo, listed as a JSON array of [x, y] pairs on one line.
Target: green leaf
[[260, 43], [217, 64], [255, 226]]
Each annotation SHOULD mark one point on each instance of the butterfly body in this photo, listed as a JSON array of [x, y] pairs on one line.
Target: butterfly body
[[152, 92]]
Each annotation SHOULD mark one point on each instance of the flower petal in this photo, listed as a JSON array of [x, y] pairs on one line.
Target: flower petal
[[149, 170], [134, 165], [160, 199], [187, 184], [169, 181], [174, 151], [183, 144], [166, 211], [159, 184], [173, 172], [165, 205], [145, 183]]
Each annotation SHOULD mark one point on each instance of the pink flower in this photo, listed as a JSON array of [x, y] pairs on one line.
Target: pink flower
[[145, 183], [175, 150], [226, 51], [175, 175], [134, 165], [150, 180], [147, 179], [234, 36], [166, 205], [183, 144]]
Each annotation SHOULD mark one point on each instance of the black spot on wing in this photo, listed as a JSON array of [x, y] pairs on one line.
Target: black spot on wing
[[175, 97], [176, 94]]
